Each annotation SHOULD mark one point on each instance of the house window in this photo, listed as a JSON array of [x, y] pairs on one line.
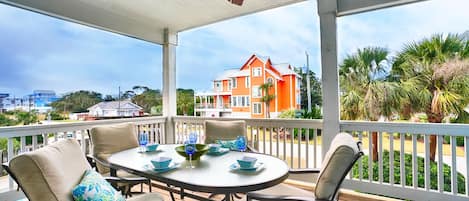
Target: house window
[[230, 85], [241, 101], [256, 92], [218, 85], [256, 108], [234, 81], [247, 82], [233, 101], [270, 80], [247, 100], [257, 72]]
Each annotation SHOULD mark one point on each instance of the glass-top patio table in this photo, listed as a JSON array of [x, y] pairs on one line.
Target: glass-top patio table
[[212, 174]]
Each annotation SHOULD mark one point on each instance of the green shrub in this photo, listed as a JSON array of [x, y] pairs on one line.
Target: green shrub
[[459, 140], [408, 172]]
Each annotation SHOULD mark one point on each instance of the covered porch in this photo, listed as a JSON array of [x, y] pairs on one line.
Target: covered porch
[[301, 143]]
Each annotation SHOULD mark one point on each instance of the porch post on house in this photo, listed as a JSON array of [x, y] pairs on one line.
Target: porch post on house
[[327, 11], [169, 83]]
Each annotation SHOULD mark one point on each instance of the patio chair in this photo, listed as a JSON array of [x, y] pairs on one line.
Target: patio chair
[[223, 130], [109, 139], [343, 153], [52, 172]]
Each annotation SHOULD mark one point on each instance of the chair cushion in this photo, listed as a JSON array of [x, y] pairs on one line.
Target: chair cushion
[[223, 130], [337, 162], [94, 187], [51, 172], [110, 139], [147, 197]]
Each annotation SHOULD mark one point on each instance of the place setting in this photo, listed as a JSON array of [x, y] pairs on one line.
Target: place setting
[[143, 140], [217, 149], [247, 164], [162, 164]]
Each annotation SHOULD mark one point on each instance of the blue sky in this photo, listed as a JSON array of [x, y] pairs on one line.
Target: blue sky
[[40, 52]]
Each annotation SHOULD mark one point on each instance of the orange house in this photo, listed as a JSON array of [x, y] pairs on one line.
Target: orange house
[[237, 93]]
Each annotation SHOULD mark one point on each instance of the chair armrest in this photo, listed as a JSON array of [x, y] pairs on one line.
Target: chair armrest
[[91, 160], [304, 171], [137, 180], [252, 149], [263, 197]]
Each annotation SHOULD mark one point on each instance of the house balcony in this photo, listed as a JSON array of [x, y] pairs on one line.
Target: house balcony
[[211, 107], [299, 143]]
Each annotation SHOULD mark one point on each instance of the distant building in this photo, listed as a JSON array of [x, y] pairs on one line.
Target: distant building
[[237, 93], [39, 100], [115, 109]]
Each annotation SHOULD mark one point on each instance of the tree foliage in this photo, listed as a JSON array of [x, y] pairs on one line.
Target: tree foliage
[[315, 87], [267, 97], [25, 117], [185, 101], [366, 94], [78, 101], [148, 98]]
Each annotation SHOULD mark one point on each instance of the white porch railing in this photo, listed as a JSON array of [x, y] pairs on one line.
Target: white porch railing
[[294, 140], [412, 139], [35, 136], [298, 142]]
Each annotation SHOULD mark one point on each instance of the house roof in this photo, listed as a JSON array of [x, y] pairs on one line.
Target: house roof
[[146, 20], [226, 74], [111, 105], [285, 69], [240, 73]]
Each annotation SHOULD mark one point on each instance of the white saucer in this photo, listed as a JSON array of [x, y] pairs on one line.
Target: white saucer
[[171, 166], [258, 166]]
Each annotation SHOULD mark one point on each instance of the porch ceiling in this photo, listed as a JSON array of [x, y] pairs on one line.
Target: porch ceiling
[[146, 19]]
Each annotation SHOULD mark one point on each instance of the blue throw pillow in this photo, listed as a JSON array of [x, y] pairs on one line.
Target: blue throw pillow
[[230, 144], [94, 187]]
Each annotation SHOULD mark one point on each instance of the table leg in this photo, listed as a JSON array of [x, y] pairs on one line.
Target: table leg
[[227, 197]]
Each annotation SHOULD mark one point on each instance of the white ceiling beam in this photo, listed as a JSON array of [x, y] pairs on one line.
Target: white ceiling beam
[[349, 7], [74, 11]]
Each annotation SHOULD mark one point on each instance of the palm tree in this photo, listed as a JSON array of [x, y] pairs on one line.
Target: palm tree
[[434, 74], [365, 92], [267, 97]]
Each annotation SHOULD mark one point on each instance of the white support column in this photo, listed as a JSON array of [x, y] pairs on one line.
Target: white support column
[[327, 10], [169, 83]]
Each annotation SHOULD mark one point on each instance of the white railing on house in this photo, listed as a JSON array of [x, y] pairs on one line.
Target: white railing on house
[[418, 178], [35, 136]]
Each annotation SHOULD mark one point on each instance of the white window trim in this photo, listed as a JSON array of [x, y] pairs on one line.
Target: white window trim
[[247, 82], [254, 106], [254, 93], [257, 69], [234, 82]]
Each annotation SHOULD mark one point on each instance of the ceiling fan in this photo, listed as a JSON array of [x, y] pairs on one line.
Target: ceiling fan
[[236, 2]]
